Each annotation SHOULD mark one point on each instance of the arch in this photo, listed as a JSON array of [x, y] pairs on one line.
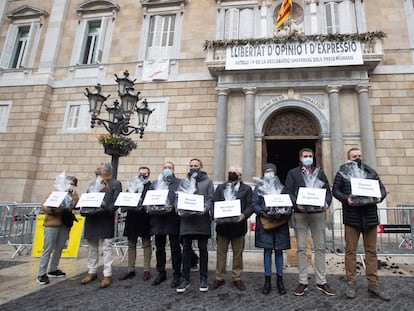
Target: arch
[[307, 108]]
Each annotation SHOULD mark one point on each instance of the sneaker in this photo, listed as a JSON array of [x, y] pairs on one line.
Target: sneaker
[[56, 274], [379, 292], [42, 280], [184, 285], [300, 290], [350, 290], [194, 268], [203, 285], [325, 289]]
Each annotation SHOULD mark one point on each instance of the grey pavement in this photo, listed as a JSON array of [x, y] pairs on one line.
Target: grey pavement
[[19, 290]]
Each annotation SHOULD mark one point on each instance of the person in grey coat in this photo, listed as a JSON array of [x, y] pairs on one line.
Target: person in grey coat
[[276, 239], [100, 226], [196, 226]]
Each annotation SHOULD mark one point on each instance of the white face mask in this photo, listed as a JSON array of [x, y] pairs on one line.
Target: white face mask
[[269, 175], [167, 172], [307, 161]]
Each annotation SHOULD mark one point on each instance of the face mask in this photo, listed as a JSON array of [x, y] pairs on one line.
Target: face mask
[[358, 162], [167, 172], [143, 177], [97, 173], [194, 171], [307, 162], [233, 176], [269, 175]]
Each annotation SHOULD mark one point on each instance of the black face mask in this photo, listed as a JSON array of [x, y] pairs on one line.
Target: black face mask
[[233, 176], [194, 171], [358, 161], [143, 177]]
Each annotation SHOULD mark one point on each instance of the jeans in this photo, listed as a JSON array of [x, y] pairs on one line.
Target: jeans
[[54, 242], [93, 256], [316, 223], [187, 247], [370, 246], [175, 247], [267, 261]]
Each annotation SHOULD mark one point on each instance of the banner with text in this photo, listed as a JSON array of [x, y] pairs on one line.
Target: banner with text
[[293, 55]]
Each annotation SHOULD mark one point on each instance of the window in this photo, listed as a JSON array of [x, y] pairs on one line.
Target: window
[[238, 23], [332, 17], [20, 46], [5, 107], [161, 36], [92, 41], [340, 17], [77, 118]]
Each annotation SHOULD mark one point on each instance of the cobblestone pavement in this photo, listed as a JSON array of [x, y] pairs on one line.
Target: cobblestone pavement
[[17, 284]]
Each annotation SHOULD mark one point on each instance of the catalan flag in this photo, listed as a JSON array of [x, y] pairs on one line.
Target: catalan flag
[[284, 12]]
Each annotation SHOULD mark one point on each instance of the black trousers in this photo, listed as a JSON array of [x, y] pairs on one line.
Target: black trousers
[[175, 247], [187, 250]]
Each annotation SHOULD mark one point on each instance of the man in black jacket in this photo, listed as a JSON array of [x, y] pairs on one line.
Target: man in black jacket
[[359, 216], [232, 232]]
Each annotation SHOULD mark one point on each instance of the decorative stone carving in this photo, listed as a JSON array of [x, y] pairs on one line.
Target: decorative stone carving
[[292, 123]]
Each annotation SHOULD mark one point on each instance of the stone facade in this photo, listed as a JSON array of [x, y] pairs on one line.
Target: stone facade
[[216, 115]]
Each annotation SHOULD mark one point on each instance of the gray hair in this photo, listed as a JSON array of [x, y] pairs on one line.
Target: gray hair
[[107, 166]]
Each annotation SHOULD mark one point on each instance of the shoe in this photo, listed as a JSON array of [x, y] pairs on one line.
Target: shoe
[[240, 285], [42, 279], [89, 278], [267, 285], [325, 289], [146, 276], [218, 283], [350, 290], [300, 290], [280, 286], [161, 277], [175, 282], [126, 276], [105, 282], [56, 274], [184, 285], [203, 285], [379, 292], [194, 268]]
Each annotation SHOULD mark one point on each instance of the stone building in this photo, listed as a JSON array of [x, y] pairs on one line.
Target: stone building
[[227, 86]]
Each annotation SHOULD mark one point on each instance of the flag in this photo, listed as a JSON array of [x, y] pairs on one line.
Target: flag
[[284, 12]]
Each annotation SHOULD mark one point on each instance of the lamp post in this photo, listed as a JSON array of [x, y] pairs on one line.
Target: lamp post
[[119, 115]]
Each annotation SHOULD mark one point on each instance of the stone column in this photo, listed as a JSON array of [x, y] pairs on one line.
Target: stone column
[[249, 147], [366, 127], [337, 144], [220, 169]]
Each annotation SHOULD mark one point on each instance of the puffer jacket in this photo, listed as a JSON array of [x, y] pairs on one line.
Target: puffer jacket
[[199, 224], [365, 216]]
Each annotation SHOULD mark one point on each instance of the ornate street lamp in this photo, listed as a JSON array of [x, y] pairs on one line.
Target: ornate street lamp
[[119, 116]]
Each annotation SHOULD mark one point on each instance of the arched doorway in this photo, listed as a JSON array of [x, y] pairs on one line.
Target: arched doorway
[[285, 133]]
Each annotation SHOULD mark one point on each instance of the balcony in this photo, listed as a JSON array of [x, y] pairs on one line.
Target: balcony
[[295, 52]]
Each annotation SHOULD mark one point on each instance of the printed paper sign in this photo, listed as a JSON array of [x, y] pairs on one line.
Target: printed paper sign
[[311, 196], [92, 199], [128, 199], [55, 199], [365, 187], [274, 200], [155, 197], [190, 202], [229, 208]]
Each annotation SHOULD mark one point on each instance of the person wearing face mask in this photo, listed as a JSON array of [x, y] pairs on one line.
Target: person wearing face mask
[[359, 217], [309, 217], [167, 223], [232, 232], [137, 224], [196, 226]]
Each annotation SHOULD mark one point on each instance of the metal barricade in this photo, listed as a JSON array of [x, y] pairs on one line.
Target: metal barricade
[[22, 226], [395, 233], [5, 220]]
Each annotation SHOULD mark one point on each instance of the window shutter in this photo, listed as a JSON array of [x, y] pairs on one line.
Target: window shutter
[[8, 47], [29, 52], [79, 42], [232, 24], [102, 38], [347, 18], [332, 18], [246, 26]]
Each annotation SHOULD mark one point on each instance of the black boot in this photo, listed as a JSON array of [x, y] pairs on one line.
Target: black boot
[[267, 285], [280, 286]]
